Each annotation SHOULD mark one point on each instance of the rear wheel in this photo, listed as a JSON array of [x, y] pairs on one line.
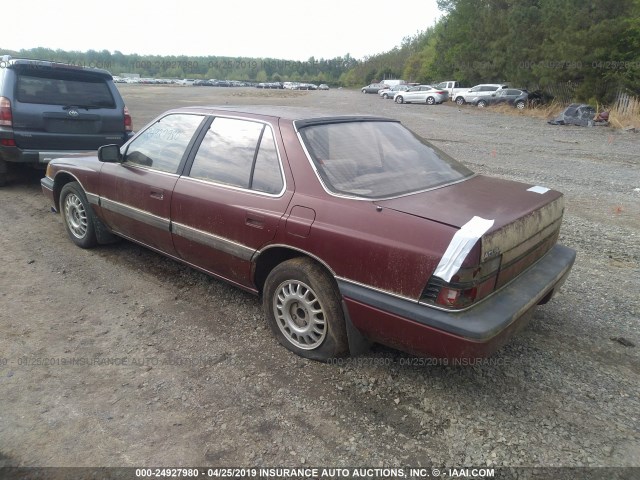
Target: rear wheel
[[431, 100], [303, 308], [520, 104], [399, 99], [78, 215]]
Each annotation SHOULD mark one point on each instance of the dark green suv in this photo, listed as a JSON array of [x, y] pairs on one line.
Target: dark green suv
[[50, 110]]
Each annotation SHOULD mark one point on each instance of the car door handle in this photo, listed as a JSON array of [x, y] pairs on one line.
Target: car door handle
[[157, 194], [254, 220]]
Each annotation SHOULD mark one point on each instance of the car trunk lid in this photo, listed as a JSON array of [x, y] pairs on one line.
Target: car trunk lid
[[526, 219]]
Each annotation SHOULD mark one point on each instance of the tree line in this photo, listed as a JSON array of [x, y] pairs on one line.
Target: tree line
[[312, 70], [591, 45]]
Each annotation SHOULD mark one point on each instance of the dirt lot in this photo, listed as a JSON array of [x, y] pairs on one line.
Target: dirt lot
[[176, 369]]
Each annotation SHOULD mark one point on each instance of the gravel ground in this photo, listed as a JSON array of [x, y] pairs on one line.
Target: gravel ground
[[189, 375]]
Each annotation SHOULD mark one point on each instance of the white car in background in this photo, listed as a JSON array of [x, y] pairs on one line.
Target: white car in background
[[422, 94]]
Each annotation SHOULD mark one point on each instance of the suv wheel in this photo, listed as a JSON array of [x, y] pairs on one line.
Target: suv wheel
[[482, 104]]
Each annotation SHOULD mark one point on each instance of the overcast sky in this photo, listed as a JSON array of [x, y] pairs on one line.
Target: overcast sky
[[285, 29]]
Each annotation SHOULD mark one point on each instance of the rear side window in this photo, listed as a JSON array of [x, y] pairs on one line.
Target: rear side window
[[53, 88], [239, 153]]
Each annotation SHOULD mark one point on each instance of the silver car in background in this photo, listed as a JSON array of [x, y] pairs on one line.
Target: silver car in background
[[390, 92], [422, 94], [473, 95]]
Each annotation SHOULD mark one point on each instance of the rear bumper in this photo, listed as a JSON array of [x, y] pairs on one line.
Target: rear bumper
[[476, 332], [42, 157]]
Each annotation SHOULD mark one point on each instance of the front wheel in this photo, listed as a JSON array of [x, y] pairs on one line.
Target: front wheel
[[303, 308], [78, 216], [482, 104], [385, 96], [399, 99], [460, 101]]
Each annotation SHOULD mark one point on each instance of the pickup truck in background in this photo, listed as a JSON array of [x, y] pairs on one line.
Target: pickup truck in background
[[454, 89]]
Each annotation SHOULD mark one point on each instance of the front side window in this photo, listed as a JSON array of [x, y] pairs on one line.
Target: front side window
[[377, 159], [239, 153], [163, 144]]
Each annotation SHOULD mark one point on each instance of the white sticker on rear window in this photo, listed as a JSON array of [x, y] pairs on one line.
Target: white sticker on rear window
[[538, 189], [460, 246]]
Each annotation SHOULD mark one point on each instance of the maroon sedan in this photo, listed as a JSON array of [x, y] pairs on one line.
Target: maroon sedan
[[352, 229]]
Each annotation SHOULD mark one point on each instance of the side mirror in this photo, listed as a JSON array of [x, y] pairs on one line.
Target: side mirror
[[109, 154]]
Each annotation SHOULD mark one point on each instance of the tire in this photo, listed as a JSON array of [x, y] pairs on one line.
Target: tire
[[482, 104], [385, 96], [303, 308], [460, 101], [364, 91], [77, 215], [399, 99], [431, 101], [520, 105]]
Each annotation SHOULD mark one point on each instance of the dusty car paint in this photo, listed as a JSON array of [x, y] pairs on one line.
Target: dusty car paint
[[381, 254]]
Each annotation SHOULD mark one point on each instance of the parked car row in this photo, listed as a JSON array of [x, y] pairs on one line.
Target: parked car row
[[220, 83], [481, 95], [293, 85]]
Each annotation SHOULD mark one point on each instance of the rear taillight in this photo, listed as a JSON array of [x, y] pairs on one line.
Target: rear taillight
[[6, 119], [466, 287], [128, 123]]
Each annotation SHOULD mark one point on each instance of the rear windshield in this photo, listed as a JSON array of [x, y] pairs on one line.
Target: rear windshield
[[378, 159], [52, 88]]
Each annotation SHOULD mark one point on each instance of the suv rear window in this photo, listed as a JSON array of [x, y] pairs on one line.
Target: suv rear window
[[378, 159], [56, 88]]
